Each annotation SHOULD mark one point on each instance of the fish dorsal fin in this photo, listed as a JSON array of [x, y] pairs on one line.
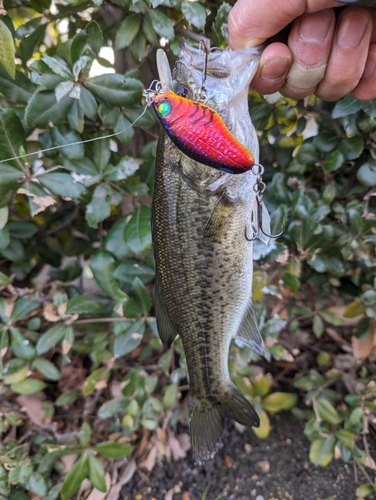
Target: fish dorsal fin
[[248, 333], [218, 221], [166, 330]]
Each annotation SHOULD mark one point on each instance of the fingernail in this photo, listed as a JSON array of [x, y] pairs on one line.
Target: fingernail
[[370, 65], [351, 30], [275, 68], [314, 27]]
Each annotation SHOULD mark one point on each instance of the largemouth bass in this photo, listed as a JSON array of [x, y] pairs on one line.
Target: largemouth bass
[[204, 265]]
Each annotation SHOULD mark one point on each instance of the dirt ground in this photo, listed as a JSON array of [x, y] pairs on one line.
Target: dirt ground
[[247, 468]]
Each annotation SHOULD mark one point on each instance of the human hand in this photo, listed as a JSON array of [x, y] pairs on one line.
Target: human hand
[[329, 52]]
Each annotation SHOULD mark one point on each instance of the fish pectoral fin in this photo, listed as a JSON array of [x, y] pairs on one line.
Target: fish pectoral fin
[[218, 220], [206, 422], [166, 330], [249, 334]]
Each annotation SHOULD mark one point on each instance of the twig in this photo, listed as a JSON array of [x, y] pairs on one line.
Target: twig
[[365, 473], [102, 320]]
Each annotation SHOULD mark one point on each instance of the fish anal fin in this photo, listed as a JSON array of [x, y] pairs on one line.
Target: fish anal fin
[[218, 221], [248, 333], [166, 330]]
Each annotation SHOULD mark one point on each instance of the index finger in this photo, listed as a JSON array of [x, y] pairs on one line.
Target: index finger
[[252, 22]]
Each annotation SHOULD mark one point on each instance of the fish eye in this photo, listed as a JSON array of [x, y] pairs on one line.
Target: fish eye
[[181, 90], [164, 108]]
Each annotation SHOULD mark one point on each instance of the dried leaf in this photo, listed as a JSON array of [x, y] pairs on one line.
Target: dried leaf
[[150, 460], [68, 461], [362, 347], [40, 202], [33, 404], [49, 313], [114, 493], [176, 449], [99, 495]]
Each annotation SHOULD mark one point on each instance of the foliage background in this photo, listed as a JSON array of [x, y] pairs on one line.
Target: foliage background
[[84, 381]]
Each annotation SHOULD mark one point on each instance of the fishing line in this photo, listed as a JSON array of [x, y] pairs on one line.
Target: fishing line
[[76, 143]]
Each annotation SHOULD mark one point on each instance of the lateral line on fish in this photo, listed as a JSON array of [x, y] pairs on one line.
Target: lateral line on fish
[[76, 143]]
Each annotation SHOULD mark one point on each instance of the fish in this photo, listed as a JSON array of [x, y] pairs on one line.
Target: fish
[[204, 266], [201, 133]]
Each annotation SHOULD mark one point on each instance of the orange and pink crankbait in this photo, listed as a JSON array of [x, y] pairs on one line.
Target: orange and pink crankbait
[[201, 133]]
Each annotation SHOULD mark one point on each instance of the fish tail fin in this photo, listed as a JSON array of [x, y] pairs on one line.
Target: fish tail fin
[[207, 422]]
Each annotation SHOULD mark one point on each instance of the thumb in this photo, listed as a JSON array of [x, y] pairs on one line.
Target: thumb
[[252, 22]]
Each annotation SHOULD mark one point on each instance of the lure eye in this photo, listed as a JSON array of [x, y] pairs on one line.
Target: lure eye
[[164, 108]]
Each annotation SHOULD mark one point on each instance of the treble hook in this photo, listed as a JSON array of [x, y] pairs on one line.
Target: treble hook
[[255, 229]]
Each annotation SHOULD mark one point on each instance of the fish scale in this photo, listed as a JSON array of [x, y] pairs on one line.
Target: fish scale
[[203, 286]]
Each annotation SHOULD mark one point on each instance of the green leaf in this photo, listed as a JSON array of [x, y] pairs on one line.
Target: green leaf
[[162, 24], [43, 109], [103, 266], [101, 154], [67, 397], [19, 90], [7, 51], [139, 302], [364, 490], [123, 128], [88, 42], [169, 397], [15, 370], [4, 238], [127, 31], [88, 104], [51, 337], [74, 478], [99, 208], [138, 46], [68, 139], [347, 438], [321, 451], [85, 434], [352, 147], [88, 304], [137, 233], [31, 40], [194, 13], [129, 339], [37, 484], [346, 106], [58, 66], [12, 138], [21, 347], [366, 174], [278, 401], [115, 89], [9, 177], [128, 270], [114, 242], [149, 31], [23, 307], [46, 368], [333, 161], [126, 167], [112, 449], [4, 280], [62, 184], [96, 474], [327, 411], [28, 386]]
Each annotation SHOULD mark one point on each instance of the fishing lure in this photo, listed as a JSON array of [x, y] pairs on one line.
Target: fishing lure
[[199, 131]]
